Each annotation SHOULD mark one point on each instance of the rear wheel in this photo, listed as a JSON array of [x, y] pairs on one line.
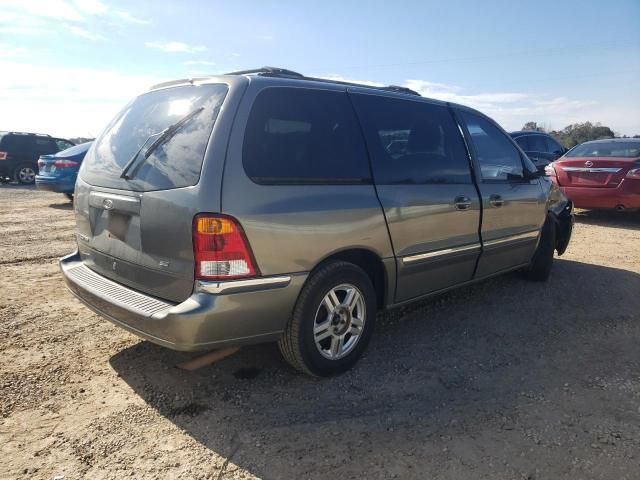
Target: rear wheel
[[25, 174], [542, 260], [332, 321]]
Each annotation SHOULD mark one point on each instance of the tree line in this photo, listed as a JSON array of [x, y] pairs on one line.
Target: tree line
[[577, 133]]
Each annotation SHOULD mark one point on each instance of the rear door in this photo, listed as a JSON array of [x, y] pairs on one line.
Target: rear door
[[423, 179], [138, 230], [514, 208]]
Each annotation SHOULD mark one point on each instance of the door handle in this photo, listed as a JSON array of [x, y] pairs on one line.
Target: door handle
[[496, 200], [462, 203]]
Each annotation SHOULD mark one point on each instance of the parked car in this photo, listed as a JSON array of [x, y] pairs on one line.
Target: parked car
[[19, 153], [266, 206], [602, 174], [58, 171], [541, 148]]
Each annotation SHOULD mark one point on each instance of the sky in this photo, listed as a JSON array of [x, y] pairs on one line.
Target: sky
[[68, 66]]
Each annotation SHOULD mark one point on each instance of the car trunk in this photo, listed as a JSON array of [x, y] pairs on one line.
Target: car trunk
[[136, 229], [595, 172]]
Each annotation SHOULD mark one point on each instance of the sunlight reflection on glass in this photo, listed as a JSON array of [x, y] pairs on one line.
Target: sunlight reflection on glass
[[180, 107]]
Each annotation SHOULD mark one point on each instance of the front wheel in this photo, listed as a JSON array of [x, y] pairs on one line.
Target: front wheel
[[542, 261], [332, 321], [25, 174]]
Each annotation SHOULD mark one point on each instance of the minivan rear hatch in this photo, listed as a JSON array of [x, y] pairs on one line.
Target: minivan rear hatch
[[134, 198]]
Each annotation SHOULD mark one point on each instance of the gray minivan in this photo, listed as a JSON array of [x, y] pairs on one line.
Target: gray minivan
[[266, 206]]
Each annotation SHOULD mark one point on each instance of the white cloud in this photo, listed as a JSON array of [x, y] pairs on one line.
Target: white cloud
[[126, 16], [81, 32], [176, 47], [513, 109], [64, 101], [56, 9], [92, 7], [11, 51], [198, 62]]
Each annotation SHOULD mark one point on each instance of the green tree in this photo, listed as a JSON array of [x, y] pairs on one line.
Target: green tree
[[533, 126], [577, 133]]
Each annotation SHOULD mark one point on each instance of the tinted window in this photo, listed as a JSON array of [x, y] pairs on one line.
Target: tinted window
[[43, 146], [298, 135], [177, 161], [523, 142], [412, 142], [606, 149], [63, 144], [537, 143], [553, 146], [499, 159], [16, 143]]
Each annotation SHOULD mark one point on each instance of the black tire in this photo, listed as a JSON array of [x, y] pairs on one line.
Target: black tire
[[542, 260], [69, 196], [298, 343], [25, 174]]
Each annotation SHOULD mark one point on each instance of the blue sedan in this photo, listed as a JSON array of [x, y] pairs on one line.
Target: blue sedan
[[58, 171]]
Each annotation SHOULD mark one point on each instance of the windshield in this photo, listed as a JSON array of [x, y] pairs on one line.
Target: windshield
[[175, 162], [606, 149]]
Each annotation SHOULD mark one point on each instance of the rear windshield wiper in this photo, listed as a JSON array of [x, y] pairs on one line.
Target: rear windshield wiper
[[165, 135]]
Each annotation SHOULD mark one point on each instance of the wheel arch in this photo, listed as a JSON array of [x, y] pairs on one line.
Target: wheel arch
[[370, 262]]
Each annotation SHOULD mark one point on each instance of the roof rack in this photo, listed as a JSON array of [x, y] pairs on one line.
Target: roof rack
[[29, 133], [399, 89], [269, 71]]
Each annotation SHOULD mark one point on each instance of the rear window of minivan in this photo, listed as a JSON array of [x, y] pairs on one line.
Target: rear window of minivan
[[304, 136], [177, 162]]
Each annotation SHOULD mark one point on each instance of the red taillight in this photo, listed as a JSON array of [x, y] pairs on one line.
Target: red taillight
[[3, 155], [220, 248], [40, 163], [64, 163]]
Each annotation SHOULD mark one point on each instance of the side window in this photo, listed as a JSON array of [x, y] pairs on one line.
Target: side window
[[537, 143], [523, 142], [45, 145], [499, 160], [412, 142], [63, 144], [299, 135], [553, 146]]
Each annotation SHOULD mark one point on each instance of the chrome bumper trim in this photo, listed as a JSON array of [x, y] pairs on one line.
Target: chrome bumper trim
[[513, 238], [439, 253], [237, 286], [590, 170]]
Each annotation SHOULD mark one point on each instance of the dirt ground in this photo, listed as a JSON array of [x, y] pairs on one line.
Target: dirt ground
[[505, 379]]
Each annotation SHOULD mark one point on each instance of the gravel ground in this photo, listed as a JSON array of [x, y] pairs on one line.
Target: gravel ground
[[504, 379]]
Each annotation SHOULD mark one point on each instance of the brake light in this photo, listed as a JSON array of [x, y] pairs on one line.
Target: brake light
[[64, 163], [634, 173], [40, 163], [3, 155], [549, 171], [220, 248]]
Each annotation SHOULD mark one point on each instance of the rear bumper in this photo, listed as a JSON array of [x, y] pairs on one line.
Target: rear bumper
[[626, 194], [238, 313], [53, 184]]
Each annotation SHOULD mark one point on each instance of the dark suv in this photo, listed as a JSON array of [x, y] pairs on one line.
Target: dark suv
[[19, 153], [541, 148]]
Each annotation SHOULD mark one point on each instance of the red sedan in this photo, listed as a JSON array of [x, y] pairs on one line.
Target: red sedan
[[602, 174]]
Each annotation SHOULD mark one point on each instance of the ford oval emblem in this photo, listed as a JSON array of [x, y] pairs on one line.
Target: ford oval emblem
[[588, 163], [107, 203]]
